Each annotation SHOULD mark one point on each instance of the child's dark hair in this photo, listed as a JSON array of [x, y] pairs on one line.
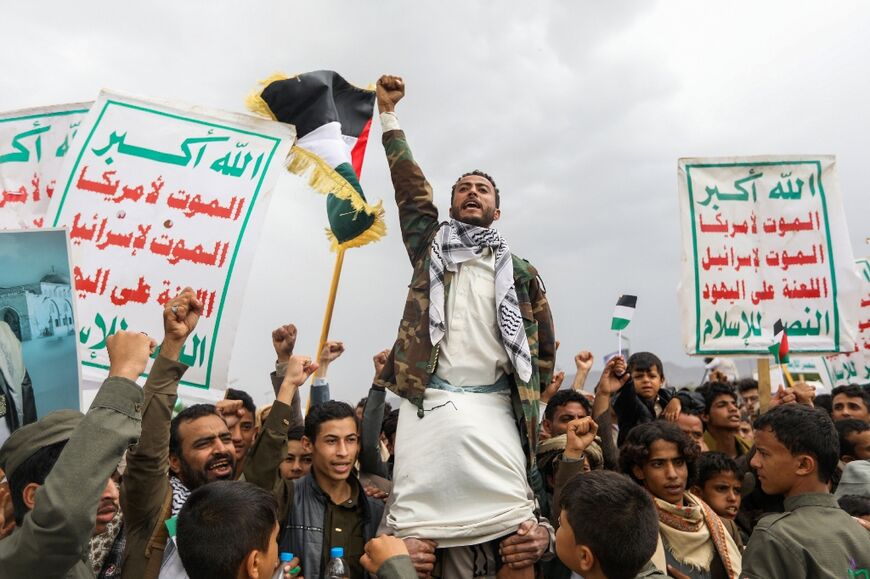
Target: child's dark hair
[[855, 505], [804, 430], [714, 391], [712, 463], [635, 450], [644, 361], [220, 524], [614, 518]]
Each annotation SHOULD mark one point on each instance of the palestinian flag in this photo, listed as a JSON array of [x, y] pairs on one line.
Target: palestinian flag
[[779, 348], [625, 306], [332, 119]]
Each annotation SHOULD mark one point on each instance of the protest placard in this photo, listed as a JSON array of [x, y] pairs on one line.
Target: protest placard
[[765, 239], [854, 367], [39, 371], [33, 144], [158, 197]]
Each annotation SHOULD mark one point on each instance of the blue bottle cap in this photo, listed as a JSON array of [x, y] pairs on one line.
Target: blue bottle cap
[[286, 557], [336, 552]]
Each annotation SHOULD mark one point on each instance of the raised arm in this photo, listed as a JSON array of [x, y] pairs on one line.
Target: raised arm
[[53, 534], [144, 487], [261, 465], [373, 419], [418, 216]]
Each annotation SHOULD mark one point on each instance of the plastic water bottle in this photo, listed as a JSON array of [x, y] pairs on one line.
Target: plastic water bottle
[[285, 559], [337, 568]]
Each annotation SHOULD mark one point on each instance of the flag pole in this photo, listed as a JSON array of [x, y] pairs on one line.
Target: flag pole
[[330, 305], [619, 343]]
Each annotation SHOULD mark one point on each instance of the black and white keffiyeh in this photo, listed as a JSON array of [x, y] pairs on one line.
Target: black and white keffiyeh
[[457, 242], [180, 493]]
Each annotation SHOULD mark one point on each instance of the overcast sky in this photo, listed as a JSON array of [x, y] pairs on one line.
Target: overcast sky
[[579, 110]]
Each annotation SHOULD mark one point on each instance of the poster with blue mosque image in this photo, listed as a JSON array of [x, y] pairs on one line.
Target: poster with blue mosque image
[[39, 371]]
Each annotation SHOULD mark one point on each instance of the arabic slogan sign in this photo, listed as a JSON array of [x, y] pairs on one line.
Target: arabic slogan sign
[[157, 198], [764, 239], [33, 144], [854, 367]]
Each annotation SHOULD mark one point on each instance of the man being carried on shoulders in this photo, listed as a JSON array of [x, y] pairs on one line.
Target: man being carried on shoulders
[[475, 345]]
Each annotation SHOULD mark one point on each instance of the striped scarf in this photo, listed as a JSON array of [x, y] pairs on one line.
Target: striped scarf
[[457, 242]]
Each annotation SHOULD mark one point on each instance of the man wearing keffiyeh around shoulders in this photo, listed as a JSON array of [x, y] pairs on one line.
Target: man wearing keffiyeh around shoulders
[[475, 348]]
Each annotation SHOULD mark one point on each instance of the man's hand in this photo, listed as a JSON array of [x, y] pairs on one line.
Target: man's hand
[[804, 393], [525, 547], [783, 396], [581, 432], [180, 316], [299, 368], [284, 340], [553, 387], [380, 360], [230, 410], [613, 377], [422, 552], [379, 549], [390, 90], [331, 352], [128, 354], [583, 360], [672, 411]]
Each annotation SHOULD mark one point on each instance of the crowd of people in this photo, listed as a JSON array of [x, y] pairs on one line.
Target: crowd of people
[[488, 467]]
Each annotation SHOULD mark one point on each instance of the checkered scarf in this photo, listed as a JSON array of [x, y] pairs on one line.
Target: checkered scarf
[[457, 242]]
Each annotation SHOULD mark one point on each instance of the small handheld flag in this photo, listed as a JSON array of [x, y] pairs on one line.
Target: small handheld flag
[[779, 348], [623, 313]]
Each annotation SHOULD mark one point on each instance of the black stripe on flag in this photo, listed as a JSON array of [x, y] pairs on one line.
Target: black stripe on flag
[[627, 301]]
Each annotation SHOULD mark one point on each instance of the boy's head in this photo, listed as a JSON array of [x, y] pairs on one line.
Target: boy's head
[[242, 428], [854, 436], [297, 463], [332, 437], [746, 432], [661, 458], [692, 426], [796, 450], [608, 526], [718, 483], [228, 529], [856, 505], [721, 411], [647, 374], [565, 406], [850, 401], [748, 389]]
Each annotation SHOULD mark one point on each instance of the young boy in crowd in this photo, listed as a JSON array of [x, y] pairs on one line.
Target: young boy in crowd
[[229, 530], [297, 463], [719, 484], [694, 540], [608, 528], [796, 454], [642, 398]]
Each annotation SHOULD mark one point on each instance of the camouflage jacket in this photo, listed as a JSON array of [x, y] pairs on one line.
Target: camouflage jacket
[[413, 358]]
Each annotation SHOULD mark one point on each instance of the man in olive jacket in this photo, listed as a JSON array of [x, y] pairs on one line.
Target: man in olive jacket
[[56, 515]]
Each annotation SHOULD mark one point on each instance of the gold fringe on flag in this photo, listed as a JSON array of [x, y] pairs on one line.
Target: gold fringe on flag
[[321, 177]]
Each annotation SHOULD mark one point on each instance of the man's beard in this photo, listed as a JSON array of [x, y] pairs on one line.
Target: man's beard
[[193, 479], [484, 220]]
